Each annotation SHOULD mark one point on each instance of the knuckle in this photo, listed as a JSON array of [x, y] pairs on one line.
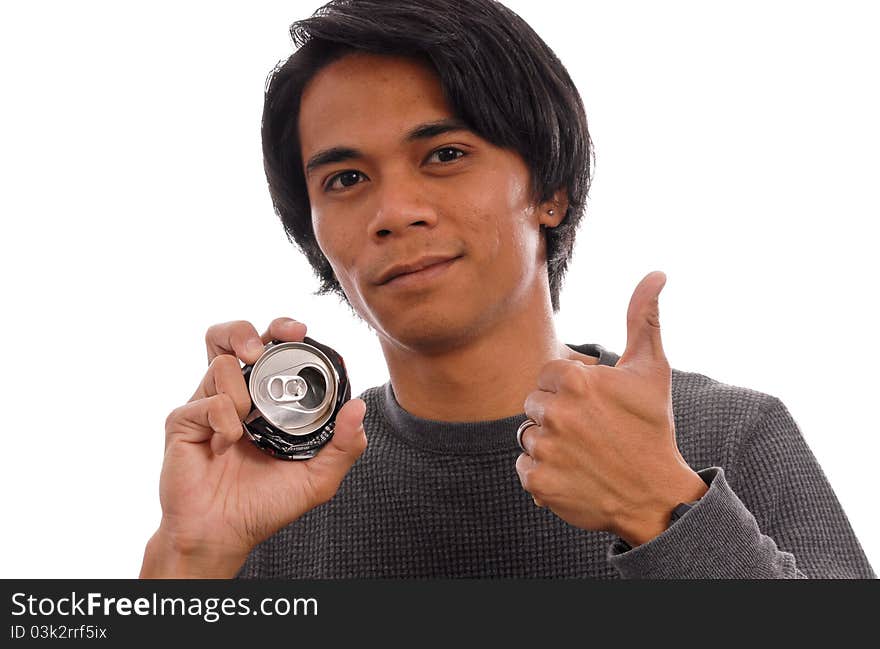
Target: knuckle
[[237, 325], [228, 379], [572, 378], [214, 330], [220, 332], [552, 368], [277, 323], [537, 480], [534, 405], [545, 448], [547, 374], [536, 446], [211, 332], [552, 417], [525, 480], [222, 407], [522, 467], [172, 419], [239, 328], [225, 364], [281, 329], [225, 402]]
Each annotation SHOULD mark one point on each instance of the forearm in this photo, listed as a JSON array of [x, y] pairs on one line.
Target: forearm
[[792, 527], [719, 538]]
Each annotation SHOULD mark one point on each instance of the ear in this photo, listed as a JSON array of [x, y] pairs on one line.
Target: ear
[[551, 213]]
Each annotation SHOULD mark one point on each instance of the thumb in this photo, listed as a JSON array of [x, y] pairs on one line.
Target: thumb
[[346, 445], [643, 342]]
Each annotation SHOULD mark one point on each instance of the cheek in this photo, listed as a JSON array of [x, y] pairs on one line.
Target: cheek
[[501, 217], [337, 245], [335, 242], [342, 246]]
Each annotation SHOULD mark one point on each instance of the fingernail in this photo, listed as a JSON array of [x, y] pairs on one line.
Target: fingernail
[[254, 346], [290, 324]]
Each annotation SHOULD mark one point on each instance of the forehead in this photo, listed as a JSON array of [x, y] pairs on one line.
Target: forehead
[[367, 97]]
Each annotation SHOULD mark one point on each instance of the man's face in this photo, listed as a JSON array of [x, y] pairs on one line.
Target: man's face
[[387, 189]]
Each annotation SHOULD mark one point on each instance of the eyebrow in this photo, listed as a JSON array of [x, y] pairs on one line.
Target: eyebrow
[[420, 132]]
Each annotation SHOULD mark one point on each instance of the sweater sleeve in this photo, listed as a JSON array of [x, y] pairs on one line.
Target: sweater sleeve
[[771, 515]]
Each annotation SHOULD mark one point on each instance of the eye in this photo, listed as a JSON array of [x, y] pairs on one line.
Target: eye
[[345, 179], [447, 154]]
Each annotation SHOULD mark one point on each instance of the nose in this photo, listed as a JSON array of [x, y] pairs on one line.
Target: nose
[[402, 206]]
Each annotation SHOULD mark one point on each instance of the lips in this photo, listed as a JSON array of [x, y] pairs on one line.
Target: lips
[[413, 266]]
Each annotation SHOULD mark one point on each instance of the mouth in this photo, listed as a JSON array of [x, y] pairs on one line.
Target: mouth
[[417, 272]]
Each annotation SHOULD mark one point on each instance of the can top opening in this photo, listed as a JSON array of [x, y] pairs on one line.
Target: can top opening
[[294, 387]]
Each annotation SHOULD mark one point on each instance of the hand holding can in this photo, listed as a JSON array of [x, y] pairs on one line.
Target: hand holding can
[[220, 494]]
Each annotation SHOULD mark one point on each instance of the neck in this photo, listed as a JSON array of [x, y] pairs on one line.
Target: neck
[[483, 376]]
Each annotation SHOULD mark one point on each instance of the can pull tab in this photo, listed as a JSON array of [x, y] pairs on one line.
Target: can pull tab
[[287, 389]]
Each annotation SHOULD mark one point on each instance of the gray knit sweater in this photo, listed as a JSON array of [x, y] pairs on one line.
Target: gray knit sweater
[[433, 499]]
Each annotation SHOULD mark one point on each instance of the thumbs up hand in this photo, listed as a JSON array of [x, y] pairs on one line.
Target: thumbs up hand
[[603, 454]]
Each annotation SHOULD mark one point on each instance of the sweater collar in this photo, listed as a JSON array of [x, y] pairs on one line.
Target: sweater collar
[[465, 438]]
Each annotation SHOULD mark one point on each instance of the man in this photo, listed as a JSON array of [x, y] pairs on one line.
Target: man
[[431, 159]]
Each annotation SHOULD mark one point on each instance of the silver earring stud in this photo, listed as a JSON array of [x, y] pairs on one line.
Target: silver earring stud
[[550, 212]]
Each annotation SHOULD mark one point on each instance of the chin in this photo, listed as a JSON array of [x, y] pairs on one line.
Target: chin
[[430, 321], [432, 330], [426, 330]]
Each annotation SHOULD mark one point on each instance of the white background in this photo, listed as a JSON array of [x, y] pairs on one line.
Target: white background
[[737, 152]]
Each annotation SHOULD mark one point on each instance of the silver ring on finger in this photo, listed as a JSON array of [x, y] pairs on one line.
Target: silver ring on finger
[[519, 432]]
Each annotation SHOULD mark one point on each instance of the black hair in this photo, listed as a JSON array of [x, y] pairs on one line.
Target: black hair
[[497, 75]]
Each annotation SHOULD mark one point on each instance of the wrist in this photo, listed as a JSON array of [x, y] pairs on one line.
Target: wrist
[[168, 557], [638, 527]]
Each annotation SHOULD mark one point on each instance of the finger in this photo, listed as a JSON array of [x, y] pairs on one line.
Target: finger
[[643, 342], [527, 439], [204, 420], [224, 377], [563, 374], [238, 338], [285, 330], [536, 405], [524, 466], [333, 461], [349, 440]]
